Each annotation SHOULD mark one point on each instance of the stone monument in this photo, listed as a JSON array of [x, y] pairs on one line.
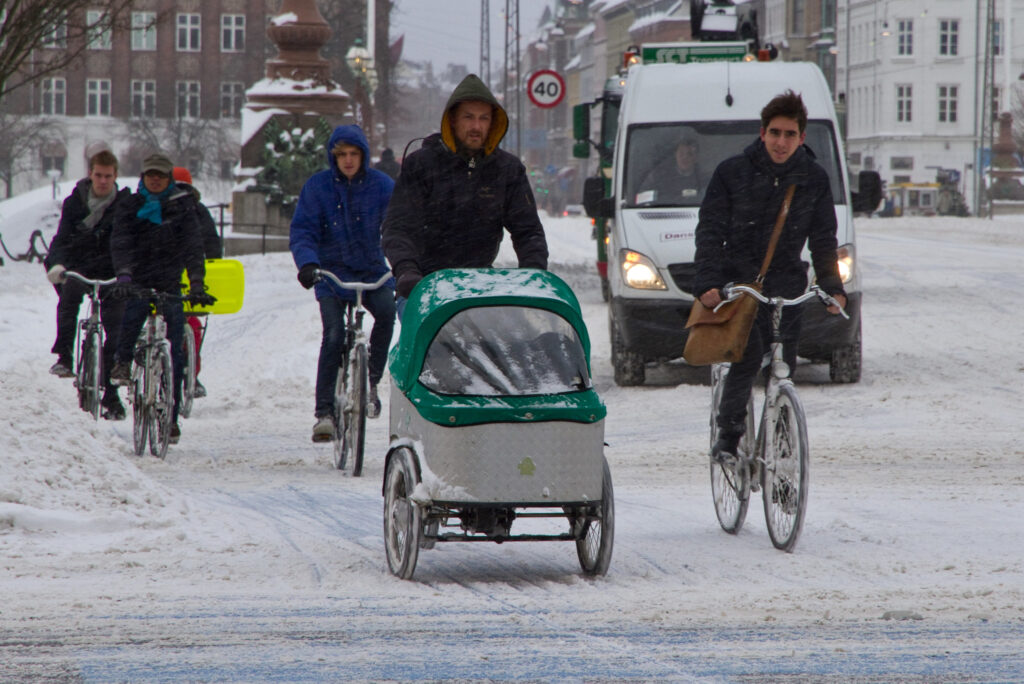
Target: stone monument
[[1005, 190], [296, 92]]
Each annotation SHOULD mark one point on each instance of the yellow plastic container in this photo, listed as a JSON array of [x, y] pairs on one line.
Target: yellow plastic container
[[225, 280]]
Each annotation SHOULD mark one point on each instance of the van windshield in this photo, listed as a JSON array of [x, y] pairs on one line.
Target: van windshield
[[669, 165]]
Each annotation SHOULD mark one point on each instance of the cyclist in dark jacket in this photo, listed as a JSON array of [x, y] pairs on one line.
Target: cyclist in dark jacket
[[82, 244], [737, 217], [156, 237], [336, 227], [459, 192]]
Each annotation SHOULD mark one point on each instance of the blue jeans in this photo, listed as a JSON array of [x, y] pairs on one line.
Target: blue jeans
[[381, 305], [135, 312]]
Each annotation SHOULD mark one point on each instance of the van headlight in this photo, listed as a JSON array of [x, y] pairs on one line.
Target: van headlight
[[845, 263], [640, 272]]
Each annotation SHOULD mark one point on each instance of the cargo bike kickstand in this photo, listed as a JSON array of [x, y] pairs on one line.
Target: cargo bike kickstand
[[776, 458], [352, 386]]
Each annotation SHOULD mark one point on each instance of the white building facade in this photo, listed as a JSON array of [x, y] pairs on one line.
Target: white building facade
[[914, 79]]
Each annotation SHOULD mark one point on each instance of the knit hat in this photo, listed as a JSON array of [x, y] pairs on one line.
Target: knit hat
[[157, 162], [181, 175]]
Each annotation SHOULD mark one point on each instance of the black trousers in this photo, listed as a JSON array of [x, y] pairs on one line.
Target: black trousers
[[732, 411]]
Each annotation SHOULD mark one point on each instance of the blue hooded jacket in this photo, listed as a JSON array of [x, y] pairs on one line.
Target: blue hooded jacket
[[336, 223]]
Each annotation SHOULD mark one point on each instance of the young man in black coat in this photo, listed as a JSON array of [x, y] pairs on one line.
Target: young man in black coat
[[458, 193], [737, 217], [156, 237], [82, 244]]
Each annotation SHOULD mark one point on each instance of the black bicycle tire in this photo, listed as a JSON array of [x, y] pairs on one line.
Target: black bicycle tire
[[773, 484], [356, 430]]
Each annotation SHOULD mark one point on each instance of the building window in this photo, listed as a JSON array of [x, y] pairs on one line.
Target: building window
[[227, 169], [828, 15], [97, 97], [232, 32], [996, 99], [997, 37], [232, 97], [949, 31], [799, 7], [905, 37], [143, 30], [947, 104], [144, 99], [903, 103], [52, 96], [188, 100], [188, 33], [98, 28], [52, 162], [57, 37], [901, 163]]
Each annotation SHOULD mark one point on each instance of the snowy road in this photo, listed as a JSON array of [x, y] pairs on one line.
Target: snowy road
[[244, 557]]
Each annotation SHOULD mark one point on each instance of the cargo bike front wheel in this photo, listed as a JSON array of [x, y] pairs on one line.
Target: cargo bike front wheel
[[403, 521]]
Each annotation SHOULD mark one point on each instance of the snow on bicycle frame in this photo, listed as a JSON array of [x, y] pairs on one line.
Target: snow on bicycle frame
[[492, 390]]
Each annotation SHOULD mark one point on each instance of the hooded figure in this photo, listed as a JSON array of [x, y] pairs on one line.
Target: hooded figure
[[459, 192], [387, 163], [336, 227]]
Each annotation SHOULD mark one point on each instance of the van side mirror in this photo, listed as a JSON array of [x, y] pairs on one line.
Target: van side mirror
[[593, 193], [581, 130], [869, 192]]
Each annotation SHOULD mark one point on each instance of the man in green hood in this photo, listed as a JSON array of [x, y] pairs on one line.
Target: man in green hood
[[458, 193]]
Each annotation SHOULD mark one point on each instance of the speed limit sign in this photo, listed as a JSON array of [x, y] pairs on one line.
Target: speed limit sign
[[545, 88]]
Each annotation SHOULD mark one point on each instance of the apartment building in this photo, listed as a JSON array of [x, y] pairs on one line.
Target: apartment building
[[175, 78]]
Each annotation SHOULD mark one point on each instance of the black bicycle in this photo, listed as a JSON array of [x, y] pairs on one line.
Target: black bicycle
[[89, 344]]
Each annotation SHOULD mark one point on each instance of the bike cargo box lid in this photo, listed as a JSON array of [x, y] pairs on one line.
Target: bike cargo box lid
[[225, 280]]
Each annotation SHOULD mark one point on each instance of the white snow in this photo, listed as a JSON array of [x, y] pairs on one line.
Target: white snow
[[245, 557]]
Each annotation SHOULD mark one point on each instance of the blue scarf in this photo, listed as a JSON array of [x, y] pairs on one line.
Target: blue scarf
[[151, 209]]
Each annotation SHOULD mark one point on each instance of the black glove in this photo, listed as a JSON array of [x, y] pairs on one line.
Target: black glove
[[308, 275], [407, 281], [198, 296], [122, 289]]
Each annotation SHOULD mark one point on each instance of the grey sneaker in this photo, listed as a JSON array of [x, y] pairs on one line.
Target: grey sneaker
[[373, 403], [323, 430], [62, 369]]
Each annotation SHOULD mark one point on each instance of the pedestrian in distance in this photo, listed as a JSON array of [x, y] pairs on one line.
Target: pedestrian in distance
[[458, 193], [336, 228], [82, 244], [387, 163], [737, 217], [157, 237], [212, 248]]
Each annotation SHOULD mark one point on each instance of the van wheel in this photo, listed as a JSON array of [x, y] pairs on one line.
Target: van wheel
[[628, 366], [606, 293], [844, 367]]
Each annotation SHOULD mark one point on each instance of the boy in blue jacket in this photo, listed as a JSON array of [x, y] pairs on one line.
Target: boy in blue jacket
[[336, 227]]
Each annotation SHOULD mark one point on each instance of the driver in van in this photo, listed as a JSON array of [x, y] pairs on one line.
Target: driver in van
[[676, 179]]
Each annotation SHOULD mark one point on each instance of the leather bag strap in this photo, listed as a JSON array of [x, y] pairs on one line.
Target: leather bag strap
[[776, 233]]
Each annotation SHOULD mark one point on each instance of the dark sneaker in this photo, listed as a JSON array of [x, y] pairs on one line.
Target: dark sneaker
[[200, 390], [323, 431], [726, 447], [113, 410], [373, 403], [175, 433], [62, 369], [121, 373]]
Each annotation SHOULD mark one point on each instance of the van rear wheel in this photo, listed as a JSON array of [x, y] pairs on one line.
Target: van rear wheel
[[844, 366]]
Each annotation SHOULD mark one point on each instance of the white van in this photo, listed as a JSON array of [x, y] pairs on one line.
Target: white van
[[718, 105]]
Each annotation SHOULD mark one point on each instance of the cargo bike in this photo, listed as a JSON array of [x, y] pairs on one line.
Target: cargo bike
[[494, 421]]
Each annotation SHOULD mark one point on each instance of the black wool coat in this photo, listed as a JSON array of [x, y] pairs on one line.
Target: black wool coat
[[75, 246]]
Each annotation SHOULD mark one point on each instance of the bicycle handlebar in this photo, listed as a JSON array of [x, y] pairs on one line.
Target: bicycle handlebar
[[358, 287], [88, 281], [733, 292]]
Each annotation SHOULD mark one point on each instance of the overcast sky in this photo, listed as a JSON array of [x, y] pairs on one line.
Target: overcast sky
[[448, 31]]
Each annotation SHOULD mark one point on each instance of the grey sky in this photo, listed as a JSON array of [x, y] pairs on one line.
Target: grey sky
[[448, 31]]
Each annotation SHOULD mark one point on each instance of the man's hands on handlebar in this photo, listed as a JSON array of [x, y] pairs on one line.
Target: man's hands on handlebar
[[835, 304]]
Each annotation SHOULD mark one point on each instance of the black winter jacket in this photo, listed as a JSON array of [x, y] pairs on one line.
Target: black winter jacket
[[76, 247], [449, 210], [156, 255], [739, 212]]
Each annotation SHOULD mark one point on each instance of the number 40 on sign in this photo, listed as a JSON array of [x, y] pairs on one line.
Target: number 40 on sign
[[545, 88]]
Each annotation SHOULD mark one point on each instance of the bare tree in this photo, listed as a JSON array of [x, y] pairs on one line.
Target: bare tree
[[21, 138], [28, 26], [187, 141]]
